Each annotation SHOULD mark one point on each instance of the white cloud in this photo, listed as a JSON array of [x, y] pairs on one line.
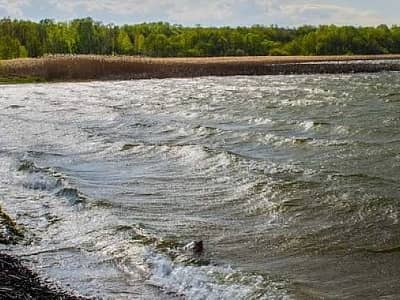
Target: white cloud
[[203, 11], [127, 7], [325, 13], [317, 12], [219, 12], [13, 8], [178, 11]]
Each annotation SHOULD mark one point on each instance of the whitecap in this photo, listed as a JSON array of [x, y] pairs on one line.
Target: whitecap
[[209, 282], [260, 121], [37, 181], [306, 125]]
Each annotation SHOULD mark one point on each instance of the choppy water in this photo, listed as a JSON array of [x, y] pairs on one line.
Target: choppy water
[[292, 182]]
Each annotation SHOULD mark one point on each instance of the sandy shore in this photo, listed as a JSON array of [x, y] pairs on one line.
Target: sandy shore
[[88, 67]]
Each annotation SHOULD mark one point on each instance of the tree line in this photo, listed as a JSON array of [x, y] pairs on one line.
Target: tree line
[[21, 38]]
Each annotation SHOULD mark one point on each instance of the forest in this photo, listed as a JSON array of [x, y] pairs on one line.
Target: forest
[[21, 38]]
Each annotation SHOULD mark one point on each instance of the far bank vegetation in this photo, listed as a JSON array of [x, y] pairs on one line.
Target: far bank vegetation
[[20, 38]]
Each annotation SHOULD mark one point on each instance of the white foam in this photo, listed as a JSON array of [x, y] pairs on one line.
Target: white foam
[[307, 125], [193, 154], [37, 181], [260, 121], [341, 130], [199, 157], [276, 140], [206, 131], [209, 282]]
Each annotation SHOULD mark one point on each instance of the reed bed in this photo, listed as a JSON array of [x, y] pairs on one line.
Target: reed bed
[[94, 67]]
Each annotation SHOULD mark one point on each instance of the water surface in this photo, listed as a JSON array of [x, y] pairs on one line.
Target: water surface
[[292, 182]]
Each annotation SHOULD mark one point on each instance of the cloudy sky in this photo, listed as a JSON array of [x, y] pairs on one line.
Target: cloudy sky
[[204, 12]]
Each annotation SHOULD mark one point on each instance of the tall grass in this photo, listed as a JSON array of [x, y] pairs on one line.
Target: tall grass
[[88, 67]]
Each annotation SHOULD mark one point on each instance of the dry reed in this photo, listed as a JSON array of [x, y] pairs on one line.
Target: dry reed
[[93, 67]]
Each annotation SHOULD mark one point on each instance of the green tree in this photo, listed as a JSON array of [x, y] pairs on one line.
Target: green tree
[[11, 48], [19, 38], [124, 43]]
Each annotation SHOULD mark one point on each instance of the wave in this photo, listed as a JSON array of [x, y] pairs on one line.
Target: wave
[[226, 165], [207, 130], [261, 121], [210, 282], [311, 125], [393, 97], [37, 178], [361, 177], [41, 182], [174, 269], [197, 156], [279, 141], [167, 265], [15, 106], [73, 195], [46, 179], [28, 166]]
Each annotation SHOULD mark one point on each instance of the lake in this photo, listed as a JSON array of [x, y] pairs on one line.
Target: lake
[[291, 182]]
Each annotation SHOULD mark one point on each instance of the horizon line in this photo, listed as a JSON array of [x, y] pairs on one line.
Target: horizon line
[[199, 25]]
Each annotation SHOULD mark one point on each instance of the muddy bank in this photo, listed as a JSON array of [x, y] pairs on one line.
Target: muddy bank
[[78, 68]]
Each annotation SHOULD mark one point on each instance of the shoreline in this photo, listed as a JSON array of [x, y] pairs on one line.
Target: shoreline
[[18, 281], [67, 68]]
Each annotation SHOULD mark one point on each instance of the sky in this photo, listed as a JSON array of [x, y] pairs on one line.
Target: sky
[[286, 13]]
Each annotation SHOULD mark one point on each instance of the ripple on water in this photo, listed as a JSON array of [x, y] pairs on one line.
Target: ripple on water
[[289, 175]]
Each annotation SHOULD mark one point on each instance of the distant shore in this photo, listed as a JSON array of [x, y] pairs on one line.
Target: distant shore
[[94, 67]]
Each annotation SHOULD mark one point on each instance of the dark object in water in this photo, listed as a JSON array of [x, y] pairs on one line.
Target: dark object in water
[[18, 282], [196, 247], [27, 166]]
